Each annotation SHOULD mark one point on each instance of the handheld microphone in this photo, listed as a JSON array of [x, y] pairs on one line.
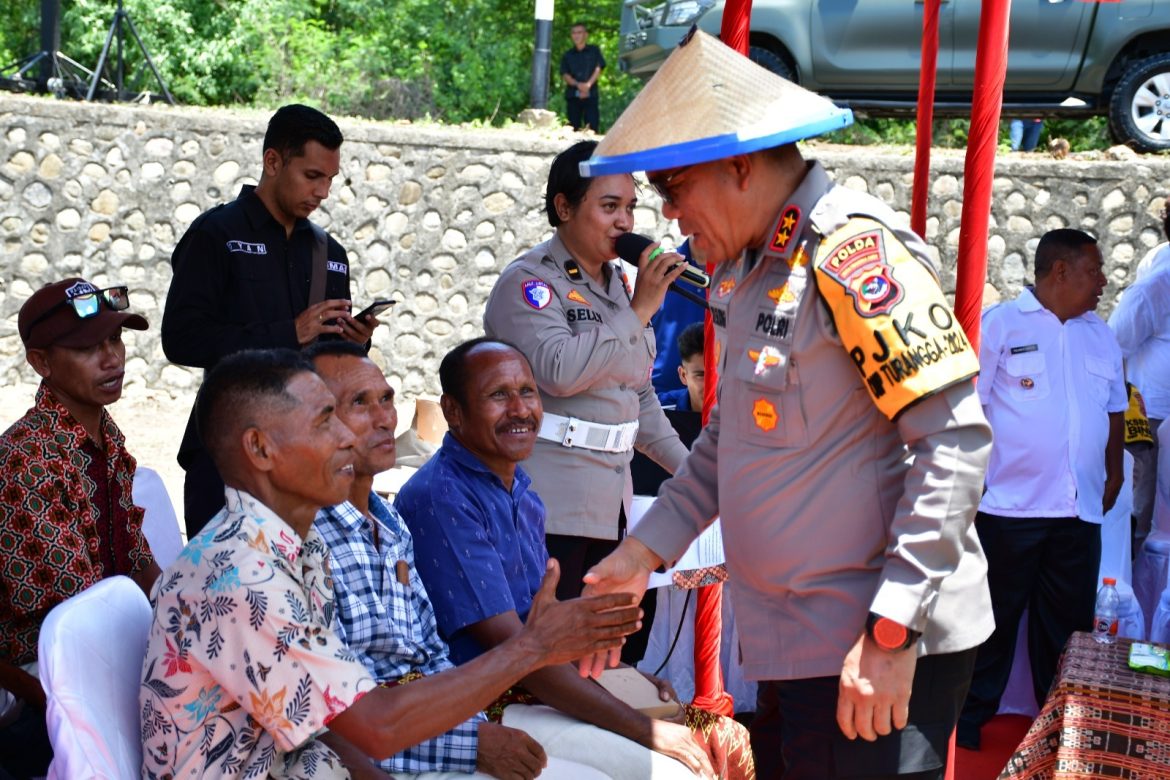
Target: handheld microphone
[[630, 246]]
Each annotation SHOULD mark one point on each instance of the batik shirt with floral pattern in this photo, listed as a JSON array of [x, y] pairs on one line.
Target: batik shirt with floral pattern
[[243, 668], [53, 544]]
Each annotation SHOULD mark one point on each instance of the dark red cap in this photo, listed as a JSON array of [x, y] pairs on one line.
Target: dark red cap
[[61, 326]]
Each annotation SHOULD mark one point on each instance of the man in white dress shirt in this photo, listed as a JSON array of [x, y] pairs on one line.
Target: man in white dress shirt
[[1141, 323], [1051, 386]]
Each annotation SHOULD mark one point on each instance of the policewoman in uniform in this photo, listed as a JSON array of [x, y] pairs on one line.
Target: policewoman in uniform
[[847, 450], [569, 307]]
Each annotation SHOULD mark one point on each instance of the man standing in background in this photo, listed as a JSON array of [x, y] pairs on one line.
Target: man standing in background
[[256, 274], [1051, 385], [581, 68], [1142, 327]]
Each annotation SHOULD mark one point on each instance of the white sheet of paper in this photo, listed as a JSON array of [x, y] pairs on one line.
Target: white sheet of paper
[[707, 550]]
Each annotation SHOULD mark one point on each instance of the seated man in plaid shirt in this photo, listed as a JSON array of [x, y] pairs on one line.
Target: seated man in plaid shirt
[[383, 611]]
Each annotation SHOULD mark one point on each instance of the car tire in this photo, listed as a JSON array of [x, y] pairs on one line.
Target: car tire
[[1139, 110], [766, 58]]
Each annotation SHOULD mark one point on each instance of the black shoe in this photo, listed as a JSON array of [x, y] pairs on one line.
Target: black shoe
[[967, 736]]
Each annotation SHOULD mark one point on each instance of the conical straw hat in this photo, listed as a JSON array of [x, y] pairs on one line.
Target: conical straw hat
[[706, 102]]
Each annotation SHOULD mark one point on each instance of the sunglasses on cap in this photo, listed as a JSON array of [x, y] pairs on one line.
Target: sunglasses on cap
[[89, 303]]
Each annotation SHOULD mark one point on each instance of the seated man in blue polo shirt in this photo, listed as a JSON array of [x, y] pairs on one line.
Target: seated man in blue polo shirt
[[479, 539]]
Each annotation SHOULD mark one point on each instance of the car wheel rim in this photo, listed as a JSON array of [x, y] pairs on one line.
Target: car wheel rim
[[1150, 108]]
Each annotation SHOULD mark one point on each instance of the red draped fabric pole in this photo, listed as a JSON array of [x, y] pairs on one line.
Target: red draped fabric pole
[[979, 169], [925, 117], [709, 692], [737, 15]]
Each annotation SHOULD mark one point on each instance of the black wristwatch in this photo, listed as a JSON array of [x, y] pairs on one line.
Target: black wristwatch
[[890, 635]]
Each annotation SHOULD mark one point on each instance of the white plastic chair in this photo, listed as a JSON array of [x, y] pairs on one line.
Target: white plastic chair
[[1018, 697], [1117, 534], [1150, 571], [160, 525], [90, 659], [1131, 619], [1160, 626], [1151, 567]]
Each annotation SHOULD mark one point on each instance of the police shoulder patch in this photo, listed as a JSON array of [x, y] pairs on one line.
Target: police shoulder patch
[[536, 293], [891, 316]]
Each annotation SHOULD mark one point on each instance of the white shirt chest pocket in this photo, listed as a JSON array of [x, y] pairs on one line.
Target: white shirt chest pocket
[[1026, 376], [1098, 373]]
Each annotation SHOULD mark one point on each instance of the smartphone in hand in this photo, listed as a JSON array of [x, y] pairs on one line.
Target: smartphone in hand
[[375, 308]]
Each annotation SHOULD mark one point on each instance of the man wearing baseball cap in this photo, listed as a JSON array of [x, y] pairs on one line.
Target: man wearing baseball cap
[[847, 451], [67, 518]]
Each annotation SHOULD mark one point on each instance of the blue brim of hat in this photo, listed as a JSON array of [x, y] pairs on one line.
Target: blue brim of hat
[[714, 148]]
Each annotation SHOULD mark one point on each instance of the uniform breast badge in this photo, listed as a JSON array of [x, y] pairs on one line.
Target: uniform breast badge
[[764, 413]]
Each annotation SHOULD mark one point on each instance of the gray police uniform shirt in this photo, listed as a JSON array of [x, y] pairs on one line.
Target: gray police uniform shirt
[[829, 508], [592, 359]]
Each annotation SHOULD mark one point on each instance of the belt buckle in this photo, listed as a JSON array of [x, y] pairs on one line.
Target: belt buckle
[[571, 426], [627, 432]]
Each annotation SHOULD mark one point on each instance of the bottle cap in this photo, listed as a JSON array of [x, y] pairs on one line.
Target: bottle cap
[[1109, 580]]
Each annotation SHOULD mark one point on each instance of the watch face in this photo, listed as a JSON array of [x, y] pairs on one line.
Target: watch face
[[889, 634]]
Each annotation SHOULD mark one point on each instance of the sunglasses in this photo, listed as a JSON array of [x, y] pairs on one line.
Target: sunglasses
[[89, 304], [662, 185]]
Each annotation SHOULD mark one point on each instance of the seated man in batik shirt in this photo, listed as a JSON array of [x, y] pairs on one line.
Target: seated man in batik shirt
[[244, 669]]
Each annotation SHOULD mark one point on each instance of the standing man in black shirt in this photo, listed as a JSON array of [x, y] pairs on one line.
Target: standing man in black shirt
[[580, 68], [244, 276]]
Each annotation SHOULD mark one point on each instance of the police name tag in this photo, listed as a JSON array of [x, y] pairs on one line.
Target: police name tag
[[891, 316]]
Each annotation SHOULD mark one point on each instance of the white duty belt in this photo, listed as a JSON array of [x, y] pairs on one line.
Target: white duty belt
[[572, 432]]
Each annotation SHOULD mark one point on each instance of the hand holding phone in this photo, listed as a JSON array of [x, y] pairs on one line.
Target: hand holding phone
[[375, 308]]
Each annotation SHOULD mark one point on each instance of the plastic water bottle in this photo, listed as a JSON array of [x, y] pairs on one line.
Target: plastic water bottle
[[1105, 613]]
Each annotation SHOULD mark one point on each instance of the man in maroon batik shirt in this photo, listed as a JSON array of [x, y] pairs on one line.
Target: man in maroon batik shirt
[[67, 517]]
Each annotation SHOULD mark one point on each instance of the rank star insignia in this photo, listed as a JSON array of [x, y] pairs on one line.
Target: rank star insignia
[[764, 413], [578, 297], [785, 229]]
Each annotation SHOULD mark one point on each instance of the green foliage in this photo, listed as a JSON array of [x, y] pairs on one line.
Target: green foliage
[[458, 61]]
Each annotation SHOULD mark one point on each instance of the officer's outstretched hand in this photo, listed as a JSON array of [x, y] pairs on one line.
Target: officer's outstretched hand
[[625, 570], [564, 631], [874, 697]]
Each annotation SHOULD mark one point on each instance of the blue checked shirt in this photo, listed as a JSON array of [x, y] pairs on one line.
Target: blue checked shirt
[[389, 626]]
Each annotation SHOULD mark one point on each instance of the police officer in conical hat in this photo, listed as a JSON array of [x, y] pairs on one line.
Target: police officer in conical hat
[[846, 453]]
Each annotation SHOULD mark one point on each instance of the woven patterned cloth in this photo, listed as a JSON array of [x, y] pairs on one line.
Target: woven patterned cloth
[[1101, 719]]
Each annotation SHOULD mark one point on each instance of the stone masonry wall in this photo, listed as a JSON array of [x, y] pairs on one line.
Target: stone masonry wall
[[431, 215]]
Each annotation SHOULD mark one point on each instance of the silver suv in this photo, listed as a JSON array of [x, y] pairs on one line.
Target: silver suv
[[1066, 57]]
